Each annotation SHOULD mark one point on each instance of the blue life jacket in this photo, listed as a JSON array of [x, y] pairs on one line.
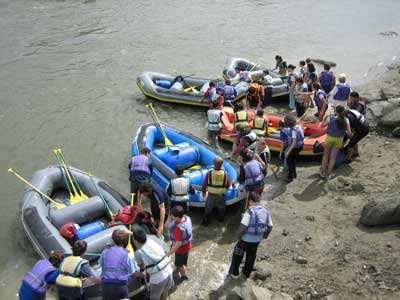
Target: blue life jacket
[[114, 265], [317, 100], [333, 129], [229, 92], [326, 78], [342, 93], [140, 163], [185, 228], [291, 78], [36, 277], [253, 173], [299, 136], [259, 218]]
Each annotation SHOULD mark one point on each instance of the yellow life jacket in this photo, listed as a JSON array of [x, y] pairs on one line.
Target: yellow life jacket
[[241, 118], [70, 270], [217, 182], [259, 126]]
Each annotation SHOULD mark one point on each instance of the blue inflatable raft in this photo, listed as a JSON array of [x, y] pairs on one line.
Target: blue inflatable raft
[[194, 154]]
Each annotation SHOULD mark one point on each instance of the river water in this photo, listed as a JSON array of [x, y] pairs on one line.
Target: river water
[[68, 69]]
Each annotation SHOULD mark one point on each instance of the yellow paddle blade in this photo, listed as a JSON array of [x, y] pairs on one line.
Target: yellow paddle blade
[[168, 143], [272, 129], [129, 246]]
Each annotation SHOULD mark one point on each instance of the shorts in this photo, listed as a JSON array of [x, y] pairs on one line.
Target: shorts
[[213, 133], [157, 289], [333, 141], [181, 259]]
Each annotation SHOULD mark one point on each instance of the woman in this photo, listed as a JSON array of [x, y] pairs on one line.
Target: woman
[[295, 145], [338, 126]]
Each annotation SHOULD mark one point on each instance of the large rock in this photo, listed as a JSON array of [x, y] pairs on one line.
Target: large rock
[[344, 184], [381, 212], [379, 108], [249, 291], [392, 118]]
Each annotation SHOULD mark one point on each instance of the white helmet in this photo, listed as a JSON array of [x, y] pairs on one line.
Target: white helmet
[[342, 78]]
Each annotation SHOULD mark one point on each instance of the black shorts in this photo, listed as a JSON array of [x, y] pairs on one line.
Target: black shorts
[[181, 259]]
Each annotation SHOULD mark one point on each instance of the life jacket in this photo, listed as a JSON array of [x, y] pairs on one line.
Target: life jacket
[[140, 163], [229, 92], [180, 188], [214, 119], [252, 140], [326, 78], [114, 265], [211, 92], [333, 129], [70, 270], [259, 126], [300, 98], [154, 257], [184, 227], [253, 173], [259, 89], [291, 78], [217, 182], [317, 100], [36, 277], [343, 92], [299, 136], [241, 118], [259, 218], [266, 153], [357, 120], [68, 231], [313, 77]]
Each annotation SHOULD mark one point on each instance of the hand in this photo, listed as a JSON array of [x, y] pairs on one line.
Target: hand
[[126, 230], [160, 230]]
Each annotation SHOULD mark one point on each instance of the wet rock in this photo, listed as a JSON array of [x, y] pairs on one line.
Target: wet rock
[[300, 260], [285, 232], [310, 218], [378, 108], [391, 119], [396, 132], [389, 33], [262, 275], [308, 238], [382, 212], [323, 62]]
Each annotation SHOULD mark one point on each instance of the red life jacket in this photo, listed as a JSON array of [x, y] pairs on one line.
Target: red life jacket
[[131, 214], [68, 231]]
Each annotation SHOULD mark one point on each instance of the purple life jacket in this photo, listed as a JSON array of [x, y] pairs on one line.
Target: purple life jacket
[[342, 93], [317, 100], [326, 78], [185, 228], [229, 92], [140, 163], [333, 129], [253, 173], [259, 218], [36, 277], [114, 265]]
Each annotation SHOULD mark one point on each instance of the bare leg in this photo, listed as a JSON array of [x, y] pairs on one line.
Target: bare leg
[[164, 295], [332, 160], [325, 159], [182, 270]]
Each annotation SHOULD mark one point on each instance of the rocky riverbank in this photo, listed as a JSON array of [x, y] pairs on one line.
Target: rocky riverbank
[[318, 249]]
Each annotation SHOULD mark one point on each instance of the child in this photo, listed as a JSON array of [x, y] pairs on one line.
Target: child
[[209, 92], [179, 189], [180, 234], [260, 124], [44, 273]]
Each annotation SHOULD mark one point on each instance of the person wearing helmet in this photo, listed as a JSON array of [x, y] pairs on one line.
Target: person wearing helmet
[[341, 92]]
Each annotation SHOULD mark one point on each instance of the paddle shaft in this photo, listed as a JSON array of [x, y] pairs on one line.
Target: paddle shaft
[[101, 196], [73, 176], [156, 120], [63, 174]]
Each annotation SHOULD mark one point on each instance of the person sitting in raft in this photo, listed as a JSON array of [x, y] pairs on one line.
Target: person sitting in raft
[[180, 234], [151, 257], [280, 65], [321, 101], [247, 139], [356, 103], [302, 97], [340, 92], [256, 225], [179, 189], [215, 183], [260, 124], [159, 203], [360, 129], [73, 270], [43, 274], [338, 126], [327, 79], [229, 92], [209, 93], [140, 170], [214, 124], [241, 116], [251, 173], [217, 98], [117, 264]]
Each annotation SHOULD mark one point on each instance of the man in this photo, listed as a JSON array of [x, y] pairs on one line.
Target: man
[[327, 79], [229, 92], [255, 226], [152, 258], [267, 81], [140, 170], [207, 97], [291, 82], [356, 103], [301, 96], [159, 203], [341, 92], [217, 98], [72, 270], [254, 96], [117, 264], [251, 173], [179, 189], [214, 124], [359, 128], [180, 234], [215, 183]]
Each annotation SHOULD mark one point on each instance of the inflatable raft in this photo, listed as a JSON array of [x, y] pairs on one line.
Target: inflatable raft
[[191, 152], [178, 89], [42, 221], [254, 72], [313, 133]]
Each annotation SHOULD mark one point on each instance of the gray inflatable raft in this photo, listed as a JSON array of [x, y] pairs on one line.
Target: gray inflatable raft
[[179, 89], [42, 221], [254, 72]]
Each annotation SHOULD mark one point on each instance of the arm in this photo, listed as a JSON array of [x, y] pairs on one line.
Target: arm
[[162, 218], [243, 142], [323, 108], [259, 159], [324, 122], [178, 238], [87, 272], [266, 234]]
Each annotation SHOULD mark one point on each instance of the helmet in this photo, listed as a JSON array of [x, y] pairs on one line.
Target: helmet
[[342, 77], [219, 89]]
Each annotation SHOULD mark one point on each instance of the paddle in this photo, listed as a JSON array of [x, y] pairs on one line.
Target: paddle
[[56, 204], [102, 198], [71, 196], [129, 246]]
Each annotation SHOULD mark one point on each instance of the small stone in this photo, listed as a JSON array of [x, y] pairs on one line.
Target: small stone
[[300, 260], [387, 143], [389, 245], [308, 238], [285, 232], [310, 218], [336, 244], [329, 291], [347, 258], [262, 275]]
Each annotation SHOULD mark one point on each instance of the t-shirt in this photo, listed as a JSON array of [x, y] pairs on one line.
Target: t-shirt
[[178, 237], [157, 197]]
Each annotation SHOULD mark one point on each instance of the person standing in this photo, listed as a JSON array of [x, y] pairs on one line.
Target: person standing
[[117, 264], [267, 78], [327, 79], [179, 189], [229, 91], [159, 203], [260, 124], [301, 95], [321, 101], [207, 97], [140, 170], [291, 86], [251, 173], [151, 257], [43, 274], [215, 183], [217, 98], [360, 129], [280, 65], [72, 270], [302, 69], [312, 76], [338, 126], [180, 234], [283, 137], [341, 92], [254, 96], [214, 124], [295, 145], [255, 226]]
